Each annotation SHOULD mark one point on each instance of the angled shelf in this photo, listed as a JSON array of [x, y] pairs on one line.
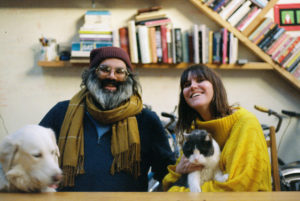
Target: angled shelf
[[242, 36]]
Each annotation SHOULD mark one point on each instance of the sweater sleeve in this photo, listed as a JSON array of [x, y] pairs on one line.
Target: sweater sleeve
[[245, 158]]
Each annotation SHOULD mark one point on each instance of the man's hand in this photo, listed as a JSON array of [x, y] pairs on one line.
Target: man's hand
[[185, 166]]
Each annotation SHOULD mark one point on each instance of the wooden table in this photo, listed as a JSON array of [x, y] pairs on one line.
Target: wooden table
[[157, 196]]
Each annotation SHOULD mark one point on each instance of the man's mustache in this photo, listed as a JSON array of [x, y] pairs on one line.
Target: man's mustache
[[115, 83]]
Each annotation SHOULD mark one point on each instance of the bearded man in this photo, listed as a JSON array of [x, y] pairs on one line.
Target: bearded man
[[107, 140]]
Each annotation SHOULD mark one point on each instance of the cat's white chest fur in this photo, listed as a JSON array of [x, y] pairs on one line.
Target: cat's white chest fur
[[209, 172]]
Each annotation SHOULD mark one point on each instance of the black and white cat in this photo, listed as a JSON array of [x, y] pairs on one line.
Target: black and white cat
[[201, 148]]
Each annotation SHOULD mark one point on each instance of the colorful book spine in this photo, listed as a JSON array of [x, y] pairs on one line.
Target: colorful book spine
[[277, 43], [217, 39], [267, 30], [282, 48], [288, 50], [224, 46], [248, 19], [159, 51], [271, 38], [256, 32], [123, 38], [152, 41], [164, 43], [178, 45]]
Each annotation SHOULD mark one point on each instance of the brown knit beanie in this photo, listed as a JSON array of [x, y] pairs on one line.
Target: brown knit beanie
[[99, 54]]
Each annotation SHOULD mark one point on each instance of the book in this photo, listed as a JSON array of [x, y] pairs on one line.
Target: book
[[144, 45], [185, 46], [230, 8], [195, 31], [295, 58], [217, 39], [261, 26], [243, 24], [116, 38], [224, 33], [156, 22], [239, 13], [152, 44], [290, 54], [260, 3], [159, 51], [233, 49], [210, 47], [124, 40], [282, 48], [288, 50], [83, 48], [277, 43], [204, 43], [132, 41], [271, 38], [178, 45], [169, 44], [150, 15], [265, 32], [296, 72], [163, 30]]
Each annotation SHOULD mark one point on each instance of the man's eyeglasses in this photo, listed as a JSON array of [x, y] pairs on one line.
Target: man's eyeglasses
[[119, 72]]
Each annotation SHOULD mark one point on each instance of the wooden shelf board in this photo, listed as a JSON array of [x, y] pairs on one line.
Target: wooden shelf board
[[248, 66]]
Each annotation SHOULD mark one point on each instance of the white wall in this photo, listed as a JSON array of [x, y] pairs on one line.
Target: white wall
[[28, 91]]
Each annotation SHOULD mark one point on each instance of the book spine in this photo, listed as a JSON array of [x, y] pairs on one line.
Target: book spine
[[273, 37], [157, 22], [210, 47], [224, 46], [124, 42], [144, 44], [159, 51], [217, 47], [264, 33], [152, 41], [196, 43], [164, 43], [276, 44], [133, 42], [178, 45], [283, 48], [288, 50], [259, 28], [239, 13], [169, 45]]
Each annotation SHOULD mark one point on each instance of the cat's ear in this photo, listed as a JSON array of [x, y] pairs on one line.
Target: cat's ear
[[208, 137]]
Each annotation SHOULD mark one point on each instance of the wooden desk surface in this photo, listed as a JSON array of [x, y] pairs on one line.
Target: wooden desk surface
[[157, 196]]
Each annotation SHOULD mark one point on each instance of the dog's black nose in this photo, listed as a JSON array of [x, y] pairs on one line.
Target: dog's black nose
[[57, 177]]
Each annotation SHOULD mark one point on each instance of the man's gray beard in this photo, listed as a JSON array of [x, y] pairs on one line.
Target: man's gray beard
[[109, 99]]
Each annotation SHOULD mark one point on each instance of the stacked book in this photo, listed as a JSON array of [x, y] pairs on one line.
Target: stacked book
[[283, 48], [96, 32]]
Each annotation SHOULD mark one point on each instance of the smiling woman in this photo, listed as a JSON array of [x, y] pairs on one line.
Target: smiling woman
[[203, 104]]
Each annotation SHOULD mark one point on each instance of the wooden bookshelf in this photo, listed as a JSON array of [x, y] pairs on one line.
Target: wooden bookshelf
[[248, 66], [244, 39]]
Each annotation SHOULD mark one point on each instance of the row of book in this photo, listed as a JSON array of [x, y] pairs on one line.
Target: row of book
[[153, 39], [283, 48], [239, 13]]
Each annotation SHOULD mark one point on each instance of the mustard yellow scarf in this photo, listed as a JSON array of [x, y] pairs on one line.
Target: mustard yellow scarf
[[125, 141]]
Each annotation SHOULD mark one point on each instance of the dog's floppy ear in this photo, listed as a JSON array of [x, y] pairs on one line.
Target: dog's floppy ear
[[52, 135], [8, 150]]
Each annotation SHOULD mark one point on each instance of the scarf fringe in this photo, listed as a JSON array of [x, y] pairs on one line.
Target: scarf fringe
[[128, 161]]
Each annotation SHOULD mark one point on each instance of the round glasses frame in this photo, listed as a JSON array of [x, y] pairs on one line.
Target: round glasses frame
[[119, 72]]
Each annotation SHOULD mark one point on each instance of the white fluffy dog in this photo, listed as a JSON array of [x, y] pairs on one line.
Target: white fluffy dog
[[29, 160]]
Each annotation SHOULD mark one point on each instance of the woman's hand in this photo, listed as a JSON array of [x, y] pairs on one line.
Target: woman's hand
[[185, 166]]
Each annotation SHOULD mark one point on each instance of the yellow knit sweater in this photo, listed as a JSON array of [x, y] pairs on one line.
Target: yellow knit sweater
[[244, 155]]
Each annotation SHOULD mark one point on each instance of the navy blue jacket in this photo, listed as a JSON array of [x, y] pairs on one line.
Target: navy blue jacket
[[155, 153]]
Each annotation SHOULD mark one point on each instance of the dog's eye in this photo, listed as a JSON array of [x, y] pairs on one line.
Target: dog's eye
[[38, 155]]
